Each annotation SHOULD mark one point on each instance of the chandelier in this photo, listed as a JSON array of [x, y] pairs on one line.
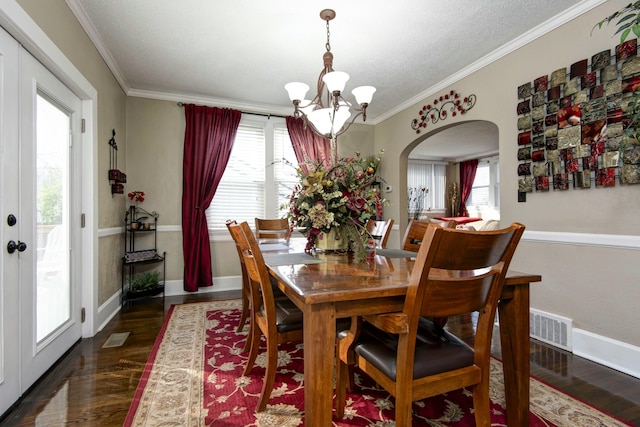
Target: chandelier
[[327, 114]]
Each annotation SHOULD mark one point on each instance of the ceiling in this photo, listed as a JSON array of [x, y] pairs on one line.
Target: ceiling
[[241, 53]]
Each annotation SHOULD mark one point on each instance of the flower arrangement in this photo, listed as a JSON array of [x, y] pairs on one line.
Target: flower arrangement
[[337, 198], [137, 196]]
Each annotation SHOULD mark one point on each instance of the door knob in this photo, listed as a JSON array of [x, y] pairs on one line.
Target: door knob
[[12, 246]]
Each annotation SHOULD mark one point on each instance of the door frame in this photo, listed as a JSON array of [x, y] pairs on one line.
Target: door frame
[[20, 25]]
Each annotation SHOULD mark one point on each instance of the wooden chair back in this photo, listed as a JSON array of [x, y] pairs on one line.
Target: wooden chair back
[[273, 230], [414, 234], [246, 287], [257, 273], [278, 319], [455, 272], [379, 231]]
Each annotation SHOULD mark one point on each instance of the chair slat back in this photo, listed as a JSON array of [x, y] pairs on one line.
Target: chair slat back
[[460, 271], [415, 233], [256, 268], [379, 231], [271, 230], [243, 268]]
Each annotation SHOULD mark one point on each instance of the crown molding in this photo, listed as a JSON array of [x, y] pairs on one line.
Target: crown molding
[[502, 51], [97, 41]]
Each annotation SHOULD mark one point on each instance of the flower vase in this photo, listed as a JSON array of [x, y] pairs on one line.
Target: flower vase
[[332, 241]]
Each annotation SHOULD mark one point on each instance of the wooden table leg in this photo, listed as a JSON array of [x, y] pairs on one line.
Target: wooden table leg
[[514, 339], [319, 354]]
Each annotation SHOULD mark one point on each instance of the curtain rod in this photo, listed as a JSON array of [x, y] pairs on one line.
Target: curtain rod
[[181, 104]]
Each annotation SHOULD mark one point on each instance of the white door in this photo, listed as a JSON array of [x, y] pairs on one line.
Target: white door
[[9, 272], [40, 287]]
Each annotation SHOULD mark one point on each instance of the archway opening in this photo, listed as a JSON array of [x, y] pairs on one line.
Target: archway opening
[[432, 166]]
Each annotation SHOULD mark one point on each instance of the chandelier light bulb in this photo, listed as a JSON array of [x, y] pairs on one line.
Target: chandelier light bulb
[[363, 94], [296, 90], [340, 117], [321, 120], [335, 81]]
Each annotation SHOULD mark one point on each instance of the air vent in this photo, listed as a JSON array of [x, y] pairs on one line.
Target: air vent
[[550, 328]]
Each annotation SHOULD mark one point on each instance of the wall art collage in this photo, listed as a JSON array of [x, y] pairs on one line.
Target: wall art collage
[[571, 125]]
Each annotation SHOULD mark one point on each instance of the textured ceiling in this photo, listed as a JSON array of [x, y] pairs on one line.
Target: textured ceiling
[[241, 53]]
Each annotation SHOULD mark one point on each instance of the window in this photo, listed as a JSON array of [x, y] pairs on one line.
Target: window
[[485, 193], [260, 174], [426, 175]]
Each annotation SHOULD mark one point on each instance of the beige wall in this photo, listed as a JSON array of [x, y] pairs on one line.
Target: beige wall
[[594, 285]]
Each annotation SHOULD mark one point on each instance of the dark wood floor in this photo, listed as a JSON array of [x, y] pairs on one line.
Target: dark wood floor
[[92, 386]]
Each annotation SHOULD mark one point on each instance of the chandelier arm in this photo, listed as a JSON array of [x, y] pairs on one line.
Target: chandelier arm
[[320, 88], [347, 125]]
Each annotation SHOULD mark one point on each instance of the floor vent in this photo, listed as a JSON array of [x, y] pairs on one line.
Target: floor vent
[[116, 340], [550, 328]]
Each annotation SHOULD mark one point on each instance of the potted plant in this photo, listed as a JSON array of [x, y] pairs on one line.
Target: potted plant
[[145, 283]]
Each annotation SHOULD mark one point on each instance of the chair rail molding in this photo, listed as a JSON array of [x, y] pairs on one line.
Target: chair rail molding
[[586, 239]]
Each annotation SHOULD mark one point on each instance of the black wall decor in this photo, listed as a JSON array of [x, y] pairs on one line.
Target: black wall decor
[[117, 179]]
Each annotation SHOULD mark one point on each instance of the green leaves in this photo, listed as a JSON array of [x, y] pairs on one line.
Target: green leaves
[[629, 21]]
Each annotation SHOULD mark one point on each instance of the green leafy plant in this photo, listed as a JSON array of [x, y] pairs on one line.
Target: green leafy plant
[[144, 281], [627, 20]]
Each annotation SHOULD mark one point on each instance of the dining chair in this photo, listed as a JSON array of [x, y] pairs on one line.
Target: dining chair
[[455, 272], [246, 291], [379, 231], [415, 232], [273, 230], [278, 319]]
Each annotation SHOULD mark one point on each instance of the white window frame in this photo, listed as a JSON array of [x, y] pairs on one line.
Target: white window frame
[[269, 125], [493, 208], [435, 201]]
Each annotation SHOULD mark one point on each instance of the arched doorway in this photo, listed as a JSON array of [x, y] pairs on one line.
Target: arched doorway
[[448, 145]]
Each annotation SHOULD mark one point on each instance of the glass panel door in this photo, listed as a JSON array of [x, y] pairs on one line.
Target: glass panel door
[[52, 215]]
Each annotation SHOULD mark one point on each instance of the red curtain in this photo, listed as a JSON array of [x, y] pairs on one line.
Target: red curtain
[[467, 175], [208, 139], [307, 145]]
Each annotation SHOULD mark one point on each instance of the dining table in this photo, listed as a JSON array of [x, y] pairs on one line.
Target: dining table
[[327, 286]]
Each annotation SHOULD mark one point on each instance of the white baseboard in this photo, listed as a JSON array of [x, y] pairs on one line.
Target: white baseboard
[[220, 284], [106, 311], [112, 306], [615, 354]]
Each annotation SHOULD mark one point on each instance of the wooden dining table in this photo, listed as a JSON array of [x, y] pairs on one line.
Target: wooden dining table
[[329, 286]]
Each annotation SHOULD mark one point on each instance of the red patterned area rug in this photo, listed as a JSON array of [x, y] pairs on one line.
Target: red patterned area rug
[[194, 378]]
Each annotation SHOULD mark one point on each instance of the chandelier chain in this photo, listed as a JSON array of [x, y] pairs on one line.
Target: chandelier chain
[[328, 45]]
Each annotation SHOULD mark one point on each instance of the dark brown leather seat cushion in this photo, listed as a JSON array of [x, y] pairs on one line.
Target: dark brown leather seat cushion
[[436, 350], [288, 316]]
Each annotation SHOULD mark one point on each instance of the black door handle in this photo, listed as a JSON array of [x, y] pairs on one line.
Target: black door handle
[[12, 246]]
